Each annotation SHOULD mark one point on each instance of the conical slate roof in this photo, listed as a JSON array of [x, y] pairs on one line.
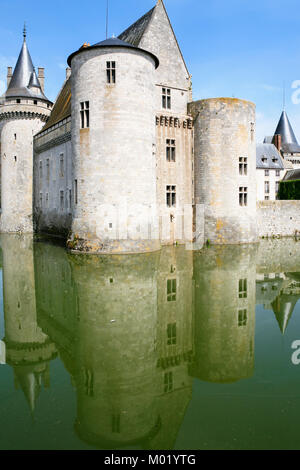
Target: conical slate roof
[[111, 42], [288, 139], [283, 308], [23, 77]]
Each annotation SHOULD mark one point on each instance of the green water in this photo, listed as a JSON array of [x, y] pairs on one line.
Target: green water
[[171, 350]]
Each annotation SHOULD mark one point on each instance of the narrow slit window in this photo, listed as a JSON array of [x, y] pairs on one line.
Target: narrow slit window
[[111, 72], [61, 200], [85, 114], [61, 165], [76, 191], [41, 169], [48, 169]]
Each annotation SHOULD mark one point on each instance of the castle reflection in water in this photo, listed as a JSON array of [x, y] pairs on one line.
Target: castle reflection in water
[[134, 331]]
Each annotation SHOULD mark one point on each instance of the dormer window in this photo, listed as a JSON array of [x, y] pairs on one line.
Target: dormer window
[[264, 160], [275, 160]]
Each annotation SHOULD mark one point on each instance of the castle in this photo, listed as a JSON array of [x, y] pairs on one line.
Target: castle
[[125, 161]]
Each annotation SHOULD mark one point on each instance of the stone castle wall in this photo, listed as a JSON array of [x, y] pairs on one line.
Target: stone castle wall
[[224, 132], [114, 159], [20, 123], [278, 218]]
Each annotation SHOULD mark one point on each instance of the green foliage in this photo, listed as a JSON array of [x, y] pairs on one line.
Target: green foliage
[[289, 190]]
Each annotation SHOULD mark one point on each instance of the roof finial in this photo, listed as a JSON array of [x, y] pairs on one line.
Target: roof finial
[[24, 31], [284, 96]]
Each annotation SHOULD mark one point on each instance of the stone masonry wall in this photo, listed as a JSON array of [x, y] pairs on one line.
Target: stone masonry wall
[[278, 218]]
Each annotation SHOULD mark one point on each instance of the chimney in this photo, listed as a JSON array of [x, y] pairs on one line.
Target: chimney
[[68, 73], [41, 77], [9, 75], [277, 141]]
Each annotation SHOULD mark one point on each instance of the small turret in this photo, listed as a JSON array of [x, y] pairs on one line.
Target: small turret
[[23, 112]]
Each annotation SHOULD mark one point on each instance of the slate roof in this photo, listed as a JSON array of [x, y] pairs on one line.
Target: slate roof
[[24, 77], [112, 42], [289, 142], [62, 106], [292, 175], [135, 32], [268, 157]]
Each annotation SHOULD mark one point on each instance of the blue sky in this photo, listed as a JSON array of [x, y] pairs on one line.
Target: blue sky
[[241, 48]]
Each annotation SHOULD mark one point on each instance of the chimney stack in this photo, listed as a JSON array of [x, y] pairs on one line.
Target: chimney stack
[[41, 77], [9, 75], [277, 141]]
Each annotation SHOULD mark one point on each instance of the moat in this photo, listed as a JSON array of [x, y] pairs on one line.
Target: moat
[[168, 350]]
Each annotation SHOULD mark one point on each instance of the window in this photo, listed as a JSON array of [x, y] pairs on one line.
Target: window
[[48, 169], [47, 200], [70, 199], [267, 187], [171, 150], [85, 114], [18, 101], [61, 165], [41, 200], [242, 317], [277, 172], [171, 290], [171, 196], [41, 169], [171, 333], [243, 288], [76, 191], [111, 72], [61, 200], [35, 102], [252, 130], [267, 198], [116, 428], [277, 186], [243, 165], [267, 172], [89, 383], [166, 98], [168, 382], [243, 196]]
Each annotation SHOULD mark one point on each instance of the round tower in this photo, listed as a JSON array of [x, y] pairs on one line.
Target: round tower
[[116, 358], [225, 169], [113, 145], [23, 111], [28, 350], [225, 281]]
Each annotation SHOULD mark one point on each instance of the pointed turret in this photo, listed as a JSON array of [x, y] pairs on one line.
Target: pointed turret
[[289, 143], [283, 308], [24, 81]]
